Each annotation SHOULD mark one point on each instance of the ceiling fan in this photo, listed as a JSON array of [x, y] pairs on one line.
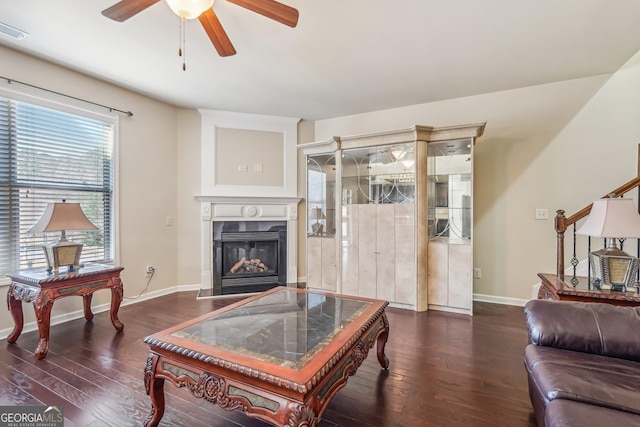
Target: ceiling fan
[[271, 9]]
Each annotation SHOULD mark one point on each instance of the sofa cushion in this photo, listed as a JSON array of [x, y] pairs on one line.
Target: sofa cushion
[[589, 327], [569, 413], [583, 377]]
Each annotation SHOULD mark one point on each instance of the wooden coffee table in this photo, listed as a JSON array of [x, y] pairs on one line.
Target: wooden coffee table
[[279, 356]]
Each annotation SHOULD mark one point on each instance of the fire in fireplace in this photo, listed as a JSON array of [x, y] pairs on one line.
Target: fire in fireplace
[[249, 256]]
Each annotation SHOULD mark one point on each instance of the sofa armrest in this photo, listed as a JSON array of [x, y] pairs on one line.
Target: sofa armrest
[[587, 327]]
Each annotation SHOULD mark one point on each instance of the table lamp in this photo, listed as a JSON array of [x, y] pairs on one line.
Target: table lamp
[[613, 218], [62, 217]]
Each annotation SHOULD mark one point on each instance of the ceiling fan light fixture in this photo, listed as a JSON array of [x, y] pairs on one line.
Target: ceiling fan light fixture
[[189, 9]]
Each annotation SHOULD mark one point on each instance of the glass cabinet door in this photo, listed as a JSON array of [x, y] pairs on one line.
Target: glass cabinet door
[[378, 239], [321, 188], [378, 175], [449, 190]]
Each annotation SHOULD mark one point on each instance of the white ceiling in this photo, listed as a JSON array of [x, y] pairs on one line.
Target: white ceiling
[[344, 57]]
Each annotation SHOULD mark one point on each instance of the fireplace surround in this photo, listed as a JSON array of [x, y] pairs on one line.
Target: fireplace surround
[[233, 228]]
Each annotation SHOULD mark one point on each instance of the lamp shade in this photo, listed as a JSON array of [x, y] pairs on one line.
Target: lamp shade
[[62, 217], [612, 218], [317, 214], [189, 9]]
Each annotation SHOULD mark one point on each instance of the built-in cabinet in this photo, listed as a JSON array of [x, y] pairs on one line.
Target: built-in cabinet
[[378, 252], [389, 216], [378, 216], [322, 218], [449, 200], [322, 271]]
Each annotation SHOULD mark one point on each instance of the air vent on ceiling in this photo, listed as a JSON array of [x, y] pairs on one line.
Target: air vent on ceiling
[[12, 32]]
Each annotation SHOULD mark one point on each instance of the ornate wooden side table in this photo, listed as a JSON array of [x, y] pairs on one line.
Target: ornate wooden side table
[[42, 288], [578, 288]]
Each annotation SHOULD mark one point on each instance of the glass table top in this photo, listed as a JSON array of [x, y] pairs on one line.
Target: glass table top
[[586, 284], [286, 327]]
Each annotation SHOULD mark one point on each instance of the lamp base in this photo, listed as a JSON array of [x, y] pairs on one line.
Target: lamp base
[[62, 253], [317, 229], [615, 268]]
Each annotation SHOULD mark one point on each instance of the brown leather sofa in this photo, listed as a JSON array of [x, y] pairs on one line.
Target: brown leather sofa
[[583, 363]]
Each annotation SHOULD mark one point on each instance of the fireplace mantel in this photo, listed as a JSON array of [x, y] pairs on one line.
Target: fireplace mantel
[[243, 208]]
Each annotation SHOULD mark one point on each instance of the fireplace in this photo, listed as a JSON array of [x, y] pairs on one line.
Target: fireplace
[[248, 172], [249, 256], [247, 227]]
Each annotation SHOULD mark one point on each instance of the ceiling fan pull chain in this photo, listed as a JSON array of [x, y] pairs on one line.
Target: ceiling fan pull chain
[[184, 45], [182, 50], [180, 37]]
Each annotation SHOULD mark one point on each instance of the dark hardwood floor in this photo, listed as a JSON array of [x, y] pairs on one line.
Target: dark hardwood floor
[[446, 370]]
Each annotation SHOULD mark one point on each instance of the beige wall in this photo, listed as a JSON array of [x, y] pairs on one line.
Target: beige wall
[[306, 133], [146, 173], [188, 225], [554, 146]]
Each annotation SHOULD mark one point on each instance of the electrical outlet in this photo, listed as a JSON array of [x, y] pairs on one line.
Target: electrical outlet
[[477, 273], [149, 270]]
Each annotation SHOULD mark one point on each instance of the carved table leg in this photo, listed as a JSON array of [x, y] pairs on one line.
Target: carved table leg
[[15, 308], [155, 389], [42, 306], [86, 300], [116, 300], [382, 341], [301, 416]]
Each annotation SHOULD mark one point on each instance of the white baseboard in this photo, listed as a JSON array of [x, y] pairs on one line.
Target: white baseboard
[[499, 300], [79, 314], [403, 306], [450, 309]]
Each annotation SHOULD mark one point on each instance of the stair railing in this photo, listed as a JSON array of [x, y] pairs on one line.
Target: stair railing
[[562, 223]]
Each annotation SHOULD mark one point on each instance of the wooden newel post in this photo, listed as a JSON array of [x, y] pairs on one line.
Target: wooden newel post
[[561, 227]]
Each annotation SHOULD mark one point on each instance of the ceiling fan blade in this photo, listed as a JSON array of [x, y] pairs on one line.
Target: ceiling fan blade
[[125, 9], [271, 9], [216, 33]]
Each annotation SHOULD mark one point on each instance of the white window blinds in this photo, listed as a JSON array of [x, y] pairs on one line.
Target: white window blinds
[[50, 156]]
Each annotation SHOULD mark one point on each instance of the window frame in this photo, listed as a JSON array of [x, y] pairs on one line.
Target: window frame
[[67, 105]]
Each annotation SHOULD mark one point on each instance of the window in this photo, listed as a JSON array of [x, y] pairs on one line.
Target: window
[[46, 156]]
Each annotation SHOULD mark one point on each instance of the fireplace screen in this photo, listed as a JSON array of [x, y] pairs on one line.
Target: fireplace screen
[[250, 257]]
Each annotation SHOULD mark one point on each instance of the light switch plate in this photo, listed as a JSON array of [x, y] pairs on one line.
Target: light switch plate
[[542, 213]]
